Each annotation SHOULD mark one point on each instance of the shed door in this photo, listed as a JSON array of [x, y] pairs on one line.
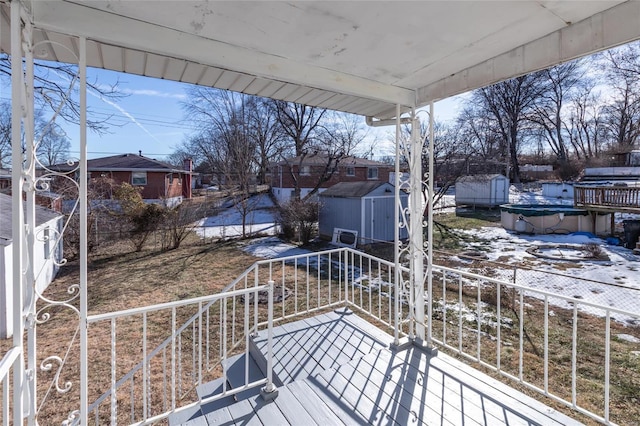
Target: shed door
[[499, 195]]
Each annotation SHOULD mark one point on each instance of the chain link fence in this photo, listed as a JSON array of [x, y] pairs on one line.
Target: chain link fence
[[612, 293]]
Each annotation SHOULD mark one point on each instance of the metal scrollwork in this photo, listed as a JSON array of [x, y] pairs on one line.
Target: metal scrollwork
[[47, 365], [39, 179]]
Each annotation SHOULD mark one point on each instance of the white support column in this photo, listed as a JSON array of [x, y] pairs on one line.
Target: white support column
[[431, 173], [18, 229], [416, 238], [396, 239], [30, 176], [84, 383]]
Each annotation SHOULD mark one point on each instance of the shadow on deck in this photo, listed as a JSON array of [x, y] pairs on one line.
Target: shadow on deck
[[335, 369]]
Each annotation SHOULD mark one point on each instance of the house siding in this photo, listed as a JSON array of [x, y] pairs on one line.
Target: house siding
[[45, 265]]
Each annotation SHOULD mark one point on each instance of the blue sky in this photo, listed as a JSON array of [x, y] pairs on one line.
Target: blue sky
[[150, 119]]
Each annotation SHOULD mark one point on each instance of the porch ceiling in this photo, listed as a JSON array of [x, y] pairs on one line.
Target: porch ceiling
[[358, 57]]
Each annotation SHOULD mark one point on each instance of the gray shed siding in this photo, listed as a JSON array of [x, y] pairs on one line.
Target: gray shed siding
[[372, 215], [338, 213]]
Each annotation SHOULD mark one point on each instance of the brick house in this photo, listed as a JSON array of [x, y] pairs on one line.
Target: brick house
[[321, 171], [158, 181]]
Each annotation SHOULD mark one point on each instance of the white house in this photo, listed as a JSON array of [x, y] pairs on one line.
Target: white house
[[48, 255]]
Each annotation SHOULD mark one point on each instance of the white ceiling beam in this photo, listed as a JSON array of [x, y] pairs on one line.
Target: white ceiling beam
[[83, 20], [615, 26]]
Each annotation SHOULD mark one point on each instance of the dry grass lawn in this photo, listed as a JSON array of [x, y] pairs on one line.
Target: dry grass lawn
[[121, 279]]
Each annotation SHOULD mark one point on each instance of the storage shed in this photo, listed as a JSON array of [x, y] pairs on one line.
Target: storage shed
[[482, 190], [364, 207]]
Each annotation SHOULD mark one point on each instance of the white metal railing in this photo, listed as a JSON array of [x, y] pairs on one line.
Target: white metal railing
[[9, 363], [201, 336], [184, 344], [339, 277], [534, 337], [530, 336]]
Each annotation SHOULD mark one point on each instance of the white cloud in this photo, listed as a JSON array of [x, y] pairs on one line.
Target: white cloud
[[156, 93]]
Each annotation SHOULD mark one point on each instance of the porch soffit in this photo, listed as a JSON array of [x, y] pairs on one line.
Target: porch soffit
[[358, 57]]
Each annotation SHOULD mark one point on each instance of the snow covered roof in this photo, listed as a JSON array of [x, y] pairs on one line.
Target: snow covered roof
[[480, 178], [359, 57]]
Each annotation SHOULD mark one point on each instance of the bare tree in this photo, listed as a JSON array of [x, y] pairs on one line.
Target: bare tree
[[301, 123], [5, 134], [585, 124], [52, 143], [509, 104], [56, 84], [621, 115], [227, 140], [549, 113], [267, 133]]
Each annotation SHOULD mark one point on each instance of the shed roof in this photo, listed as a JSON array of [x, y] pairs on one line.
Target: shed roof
[[480, 178], [359, 57], [352, 189], [43, 215]]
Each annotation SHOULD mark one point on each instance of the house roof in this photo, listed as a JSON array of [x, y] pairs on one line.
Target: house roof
[[352, 189], [43, 215], [321, 160], [358, 57], [122, 162]]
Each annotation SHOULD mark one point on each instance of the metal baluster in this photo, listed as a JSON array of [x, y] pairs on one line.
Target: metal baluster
[[114, 400]]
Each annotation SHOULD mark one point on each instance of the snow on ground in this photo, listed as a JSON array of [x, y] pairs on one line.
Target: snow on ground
[[228, 223], [614, 283], [272, 248]]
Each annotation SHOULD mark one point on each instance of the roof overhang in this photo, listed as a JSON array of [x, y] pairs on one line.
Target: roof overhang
[[357, 57]]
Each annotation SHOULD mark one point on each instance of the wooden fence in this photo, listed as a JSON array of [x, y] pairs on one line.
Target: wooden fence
[[607, 196]]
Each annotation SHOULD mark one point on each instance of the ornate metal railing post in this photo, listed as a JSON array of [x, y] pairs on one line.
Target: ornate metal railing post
[[416, 221]]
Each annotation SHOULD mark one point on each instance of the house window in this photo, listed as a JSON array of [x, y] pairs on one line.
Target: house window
[[351, 171], [372, 173], [305, 170], [138, 178], [171, 179]]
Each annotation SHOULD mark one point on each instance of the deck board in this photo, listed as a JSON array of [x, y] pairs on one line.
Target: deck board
[[337, 369]]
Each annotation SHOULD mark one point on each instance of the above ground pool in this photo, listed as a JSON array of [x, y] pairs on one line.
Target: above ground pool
[[553, 219]]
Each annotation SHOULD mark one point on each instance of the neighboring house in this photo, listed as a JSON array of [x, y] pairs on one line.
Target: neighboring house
[[158, 181], [364, 207], [48, 253], [482, 190], [319, 170], [5, 179]]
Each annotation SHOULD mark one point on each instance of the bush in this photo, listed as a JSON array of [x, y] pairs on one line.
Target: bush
[[299, 218]]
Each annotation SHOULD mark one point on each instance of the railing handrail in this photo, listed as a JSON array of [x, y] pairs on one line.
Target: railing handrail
[[535, 290], [8, 360], [160, 306]]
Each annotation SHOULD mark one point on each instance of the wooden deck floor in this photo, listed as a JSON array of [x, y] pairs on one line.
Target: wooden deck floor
[[337, 369]]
